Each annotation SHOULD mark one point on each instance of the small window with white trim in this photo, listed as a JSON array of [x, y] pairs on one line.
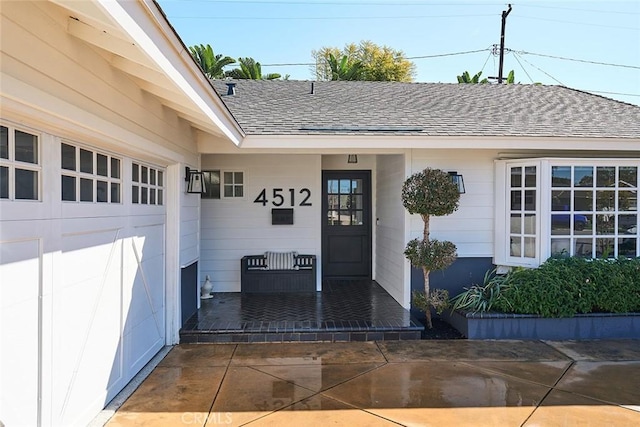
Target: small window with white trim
[[147, 185], [223, 184], [19, 164], [89, 176]]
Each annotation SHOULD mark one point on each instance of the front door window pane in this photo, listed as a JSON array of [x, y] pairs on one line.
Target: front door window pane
[[26, 184], [26, 146], [332, 186]]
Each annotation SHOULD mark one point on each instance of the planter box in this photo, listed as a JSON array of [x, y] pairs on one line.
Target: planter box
[[485, 326]]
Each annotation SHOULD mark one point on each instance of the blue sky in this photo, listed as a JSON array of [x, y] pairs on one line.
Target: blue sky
[[286, 31]]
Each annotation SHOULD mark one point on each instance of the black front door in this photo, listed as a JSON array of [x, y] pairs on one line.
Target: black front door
[[346, 224]]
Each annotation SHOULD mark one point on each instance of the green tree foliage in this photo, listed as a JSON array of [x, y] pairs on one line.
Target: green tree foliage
[[250, 69], [344, 69], [378, 63], [466, 78], [430, 193], [211, 64]]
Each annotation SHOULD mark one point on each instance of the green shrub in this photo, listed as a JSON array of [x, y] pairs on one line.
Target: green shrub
[[481, 298], [563, 287]]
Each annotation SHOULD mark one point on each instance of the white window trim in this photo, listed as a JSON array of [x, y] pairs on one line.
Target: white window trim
[[12, 164], [93, 176], [223, 182], [146, 185], [543, 203]]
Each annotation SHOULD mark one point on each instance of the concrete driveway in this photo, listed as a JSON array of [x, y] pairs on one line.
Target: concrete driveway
[[391, 383]]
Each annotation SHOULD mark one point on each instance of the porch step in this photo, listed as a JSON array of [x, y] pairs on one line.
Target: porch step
[[343, 311], [303, 332]]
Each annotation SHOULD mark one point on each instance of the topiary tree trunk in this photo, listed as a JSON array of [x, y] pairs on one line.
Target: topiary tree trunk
[[429, 193]]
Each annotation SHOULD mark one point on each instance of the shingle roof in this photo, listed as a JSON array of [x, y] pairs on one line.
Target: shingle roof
[[431, 109]]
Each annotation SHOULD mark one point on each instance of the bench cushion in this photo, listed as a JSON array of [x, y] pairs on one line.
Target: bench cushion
[[281, 260]]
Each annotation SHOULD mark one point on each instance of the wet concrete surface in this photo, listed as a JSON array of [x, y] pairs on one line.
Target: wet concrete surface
[[411, 383]]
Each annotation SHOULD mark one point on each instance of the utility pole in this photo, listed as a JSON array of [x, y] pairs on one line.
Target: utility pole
[[505, 13]]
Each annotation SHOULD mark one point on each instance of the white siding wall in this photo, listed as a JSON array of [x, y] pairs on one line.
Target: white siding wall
[[470, 228], [80, 281], [389, 248], [233, 228]]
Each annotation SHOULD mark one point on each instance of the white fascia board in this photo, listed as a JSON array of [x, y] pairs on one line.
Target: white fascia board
[[156, 38], [373, 142]]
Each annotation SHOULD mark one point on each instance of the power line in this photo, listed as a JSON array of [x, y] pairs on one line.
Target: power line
[[626, 12], [343, 3], [617, 27], [295, 64], [524, 52], [541, 70], [325, 18]]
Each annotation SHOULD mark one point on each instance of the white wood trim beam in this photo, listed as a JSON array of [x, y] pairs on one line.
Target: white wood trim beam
[[376, 142], [142, 72], [90, 13], [148, 28], [107, 41]]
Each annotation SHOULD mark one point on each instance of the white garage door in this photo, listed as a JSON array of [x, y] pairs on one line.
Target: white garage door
[[82, 286]]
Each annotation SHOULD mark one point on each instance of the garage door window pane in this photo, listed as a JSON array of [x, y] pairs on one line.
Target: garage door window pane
[[115, 192], [26, 147], [86, 161], [4, 142], [101, 161], [86, 190], [102, 191], [4, 182], [115, 168], [68, 188], [68, 153], [26, 184]]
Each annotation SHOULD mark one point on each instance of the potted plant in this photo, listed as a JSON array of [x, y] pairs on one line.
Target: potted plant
[[430, 193]]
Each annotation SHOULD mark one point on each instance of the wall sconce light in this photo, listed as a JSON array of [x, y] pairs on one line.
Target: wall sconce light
[[195, 181], [457, 179], [353, 158]]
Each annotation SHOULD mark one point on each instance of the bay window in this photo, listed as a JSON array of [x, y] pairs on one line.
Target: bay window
[[566, 207]]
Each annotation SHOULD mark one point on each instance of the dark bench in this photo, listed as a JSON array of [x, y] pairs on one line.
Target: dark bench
[[257, 276]]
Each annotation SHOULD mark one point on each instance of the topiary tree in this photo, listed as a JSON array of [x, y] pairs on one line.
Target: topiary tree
[[430, 193]]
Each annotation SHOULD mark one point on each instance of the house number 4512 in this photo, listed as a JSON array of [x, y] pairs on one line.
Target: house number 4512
[[278, 197]]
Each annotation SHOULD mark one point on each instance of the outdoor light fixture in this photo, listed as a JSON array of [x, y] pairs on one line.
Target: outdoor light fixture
[[353, 158], [457, 179], [195, 181]]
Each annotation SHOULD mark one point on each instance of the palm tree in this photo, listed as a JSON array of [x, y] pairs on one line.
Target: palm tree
[[210, 63], [250, 69], [343, 69]]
